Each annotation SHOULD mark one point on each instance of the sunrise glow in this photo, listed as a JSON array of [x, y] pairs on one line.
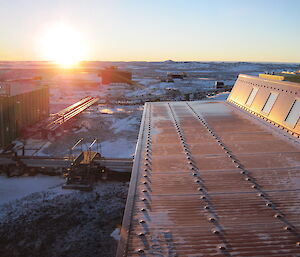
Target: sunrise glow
[[63, 45]]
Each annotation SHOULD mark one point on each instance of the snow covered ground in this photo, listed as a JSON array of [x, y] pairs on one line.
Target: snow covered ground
[[220, 96], [18, 187], [74, 224], [115, 128]]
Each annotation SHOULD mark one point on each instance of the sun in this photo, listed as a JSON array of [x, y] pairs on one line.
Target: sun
[[63, 45]]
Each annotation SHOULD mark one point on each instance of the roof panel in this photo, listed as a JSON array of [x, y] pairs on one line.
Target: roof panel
[[210, 180]]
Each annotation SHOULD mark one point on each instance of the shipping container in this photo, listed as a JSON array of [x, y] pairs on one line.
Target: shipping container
[[17, 112]]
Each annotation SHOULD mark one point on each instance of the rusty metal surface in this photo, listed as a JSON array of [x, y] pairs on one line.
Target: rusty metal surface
[[209, 180]]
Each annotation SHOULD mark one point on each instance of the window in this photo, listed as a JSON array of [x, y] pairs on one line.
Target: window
[[293, 115], [269, 103], [251, 96]]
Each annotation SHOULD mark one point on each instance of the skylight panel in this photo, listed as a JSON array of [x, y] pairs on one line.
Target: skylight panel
[[293, 115], [269, 103], [251, 96]]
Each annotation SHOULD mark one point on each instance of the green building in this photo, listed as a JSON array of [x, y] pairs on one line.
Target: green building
[[22, 104]]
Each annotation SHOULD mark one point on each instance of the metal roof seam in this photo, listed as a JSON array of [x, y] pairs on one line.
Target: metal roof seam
[[219, 231], [127, 222], [248, 177]]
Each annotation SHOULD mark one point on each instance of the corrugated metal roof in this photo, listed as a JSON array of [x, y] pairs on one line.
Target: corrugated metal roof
[[210, 179]]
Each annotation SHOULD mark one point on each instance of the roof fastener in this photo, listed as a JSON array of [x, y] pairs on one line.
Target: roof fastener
[[287, 228], [278, 216], [222, 247]]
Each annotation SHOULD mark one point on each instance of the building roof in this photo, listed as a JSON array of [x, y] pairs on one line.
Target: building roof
[[212, 179], [17, 87], [284, 75]]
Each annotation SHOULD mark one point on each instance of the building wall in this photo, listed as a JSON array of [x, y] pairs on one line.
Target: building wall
[[287, 94], [285, 77], [270, 76], [20, 111], [115, 76]]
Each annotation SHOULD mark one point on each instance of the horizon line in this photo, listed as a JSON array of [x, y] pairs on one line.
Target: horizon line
[[235, 61]]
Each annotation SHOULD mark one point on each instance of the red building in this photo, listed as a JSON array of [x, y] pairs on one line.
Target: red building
[[113, 75]]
